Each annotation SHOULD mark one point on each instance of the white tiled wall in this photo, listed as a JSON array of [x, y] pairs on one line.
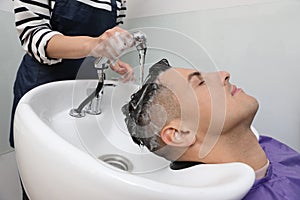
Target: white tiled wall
[[10, 188]]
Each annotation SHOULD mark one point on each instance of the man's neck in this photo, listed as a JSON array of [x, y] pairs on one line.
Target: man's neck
[[240, 145]]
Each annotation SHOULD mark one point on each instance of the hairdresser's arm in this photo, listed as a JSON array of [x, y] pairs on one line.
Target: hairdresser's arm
[[61, 46], [73, 47]]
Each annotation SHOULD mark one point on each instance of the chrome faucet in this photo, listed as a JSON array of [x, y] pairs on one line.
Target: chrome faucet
[[94, 107], [94, 99], [92, 104]]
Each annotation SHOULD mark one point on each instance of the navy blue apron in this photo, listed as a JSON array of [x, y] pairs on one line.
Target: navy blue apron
[[71, 18]]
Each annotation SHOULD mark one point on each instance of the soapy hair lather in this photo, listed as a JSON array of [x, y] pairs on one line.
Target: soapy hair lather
[[137, 111]]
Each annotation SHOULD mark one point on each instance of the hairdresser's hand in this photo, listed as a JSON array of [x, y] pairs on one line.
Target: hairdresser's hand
[[124, 69], [112, 43]]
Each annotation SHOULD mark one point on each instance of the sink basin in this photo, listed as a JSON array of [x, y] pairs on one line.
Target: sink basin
[[62, 157]]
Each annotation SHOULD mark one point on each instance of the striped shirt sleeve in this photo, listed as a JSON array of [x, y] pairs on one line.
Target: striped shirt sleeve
[[121, 11], [32, 20]]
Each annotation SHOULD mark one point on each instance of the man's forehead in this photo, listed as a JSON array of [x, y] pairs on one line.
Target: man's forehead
[[176, 80], [175, 75]]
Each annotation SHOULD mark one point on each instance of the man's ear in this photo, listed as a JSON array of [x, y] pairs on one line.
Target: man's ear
[[172, 135]]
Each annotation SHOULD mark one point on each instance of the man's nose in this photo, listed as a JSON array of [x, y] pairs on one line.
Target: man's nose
[[217, 78], [224, 76]]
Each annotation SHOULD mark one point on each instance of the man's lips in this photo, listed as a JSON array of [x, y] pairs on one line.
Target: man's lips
[[235, 90]]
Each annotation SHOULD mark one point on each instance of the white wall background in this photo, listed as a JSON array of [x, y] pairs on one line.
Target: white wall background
[[146, 8], [6, 5]]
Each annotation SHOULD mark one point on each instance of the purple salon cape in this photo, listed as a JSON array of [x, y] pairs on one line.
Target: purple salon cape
[[282, 181]]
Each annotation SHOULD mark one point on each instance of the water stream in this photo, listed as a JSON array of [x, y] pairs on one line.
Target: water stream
[[142, 56]]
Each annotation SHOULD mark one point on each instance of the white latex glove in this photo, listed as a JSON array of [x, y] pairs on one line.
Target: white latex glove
[[112, 43], [123, 69]]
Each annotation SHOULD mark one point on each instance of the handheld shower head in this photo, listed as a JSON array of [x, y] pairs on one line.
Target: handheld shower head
[[140, 40]]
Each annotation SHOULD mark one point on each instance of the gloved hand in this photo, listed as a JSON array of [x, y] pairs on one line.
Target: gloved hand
[[112, 43], [123, 69]]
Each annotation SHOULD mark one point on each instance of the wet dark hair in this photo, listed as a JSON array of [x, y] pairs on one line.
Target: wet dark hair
[[137, 112]]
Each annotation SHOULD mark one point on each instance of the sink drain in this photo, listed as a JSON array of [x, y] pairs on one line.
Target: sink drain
[[117, 161]]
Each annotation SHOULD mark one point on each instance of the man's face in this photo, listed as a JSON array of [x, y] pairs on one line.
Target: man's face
[[209, 103]]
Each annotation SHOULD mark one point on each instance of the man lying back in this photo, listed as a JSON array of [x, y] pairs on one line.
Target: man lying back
[[191, 117]]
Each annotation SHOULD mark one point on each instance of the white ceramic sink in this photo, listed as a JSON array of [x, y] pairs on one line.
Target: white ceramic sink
[[58, 155]]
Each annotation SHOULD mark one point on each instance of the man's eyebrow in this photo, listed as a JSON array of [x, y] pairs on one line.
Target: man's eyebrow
[[198, 74]]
